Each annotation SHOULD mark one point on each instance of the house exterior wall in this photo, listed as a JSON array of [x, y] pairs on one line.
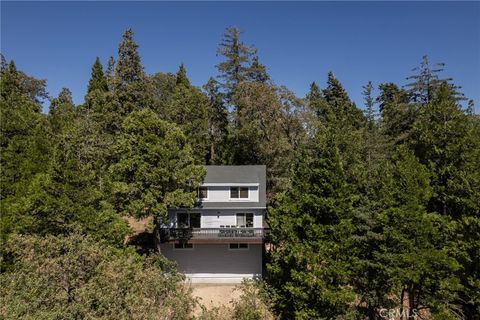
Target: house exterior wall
[[222, 194], [216, 263], [214, 218]]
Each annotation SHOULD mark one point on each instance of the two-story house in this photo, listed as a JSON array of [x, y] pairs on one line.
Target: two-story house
[[222, 238]]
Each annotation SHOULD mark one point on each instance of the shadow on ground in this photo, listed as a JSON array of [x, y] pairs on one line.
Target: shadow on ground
[[143, 242]]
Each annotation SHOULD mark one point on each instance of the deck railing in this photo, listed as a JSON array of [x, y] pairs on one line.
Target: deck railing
[[168, 234]]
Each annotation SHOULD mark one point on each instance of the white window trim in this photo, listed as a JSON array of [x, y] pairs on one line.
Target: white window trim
[[208, 194], [238, 199], [238, 249], [183, 249], [245, 214]]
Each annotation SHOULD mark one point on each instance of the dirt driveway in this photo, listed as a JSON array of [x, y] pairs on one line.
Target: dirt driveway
[[215, 295]]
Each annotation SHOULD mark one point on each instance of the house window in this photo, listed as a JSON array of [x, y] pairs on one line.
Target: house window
[[245, 220], [235, 246], [183, 245], [188, 220], [202, 193], [239, 192]]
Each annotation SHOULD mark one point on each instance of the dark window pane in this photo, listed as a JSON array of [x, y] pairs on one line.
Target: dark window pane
[[234, 192], [249, 220], [183, 245], [195, 220], [244, 192], [233, 245], [243, 245], [182, 220], [202, 193]]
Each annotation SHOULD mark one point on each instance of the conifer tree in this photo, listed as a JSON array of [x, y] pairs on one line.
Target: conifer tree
[[257, 72], [238, 57], [98, 81], [62, 112], [155, 168], [189, 109], [182, 78], [219, 149], [426, 82], [131, 86], [343, 109], [308, 265]]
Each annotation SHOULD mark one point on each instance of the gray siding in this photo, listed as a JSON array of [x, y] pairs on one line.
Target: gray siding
[[216, 259], [237, 174]]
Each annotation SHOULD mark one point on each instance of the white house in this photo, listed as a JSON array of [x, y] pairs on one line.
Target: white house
[[222, 238]]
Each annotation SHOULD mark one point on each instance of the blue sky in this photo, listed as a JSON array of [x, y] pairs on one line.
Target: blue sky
[[299, 42]]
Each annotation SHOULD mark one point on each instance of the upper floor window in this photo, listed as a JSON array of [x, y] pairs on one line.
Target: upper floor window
[[239, 192], [202, 193]]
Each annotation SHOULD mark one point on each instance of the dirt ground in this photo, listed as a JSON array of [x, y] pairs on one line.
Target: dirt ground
[[215, 295]]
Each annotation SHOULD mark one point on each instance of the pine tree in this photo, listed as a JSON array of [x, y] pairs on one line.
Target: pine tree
[[189, 108], [426, 82], [308, 269], [257, 72], [182, 78], [128, 68], [62, 112], [238, 57], [343, 109], [318, 105], [155, 168], [98, 81], [398, 115], [218, 125], [131, 86]]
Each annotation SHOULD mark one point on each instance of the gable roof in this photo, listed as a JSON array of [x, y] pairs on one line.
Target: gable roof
[[249, 174], [235, 174]]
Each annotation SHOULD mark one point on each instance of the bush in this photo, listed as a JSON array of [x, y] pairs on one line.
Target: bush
[[75, 277]]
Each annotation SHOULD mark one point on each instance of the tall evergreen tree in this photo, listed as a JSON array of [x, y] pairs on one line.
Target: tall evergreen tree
[[156, 168], [238, 55], [308, 263], [426, 82], [219, 149], [342, 107], [98, 81], [182, 78], [189, 108], [62, 112], [257, 72], [131, 86]]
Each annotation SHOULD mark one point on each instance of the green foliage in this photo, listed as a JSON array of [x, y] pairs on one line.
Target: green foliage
[[77, 277], [98, 81], [310, 228], [189, 108], [370, 210], [267, 130], [218, 128], [253, 302], [235, 69], [155, 168]]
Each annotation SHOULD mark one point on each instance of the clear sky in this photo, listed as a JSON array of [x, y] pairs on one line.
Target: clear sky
[[299, 42]]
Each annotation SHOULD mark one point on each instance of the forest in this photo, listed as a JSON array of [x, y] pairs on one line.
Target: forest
[[371, 208]]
